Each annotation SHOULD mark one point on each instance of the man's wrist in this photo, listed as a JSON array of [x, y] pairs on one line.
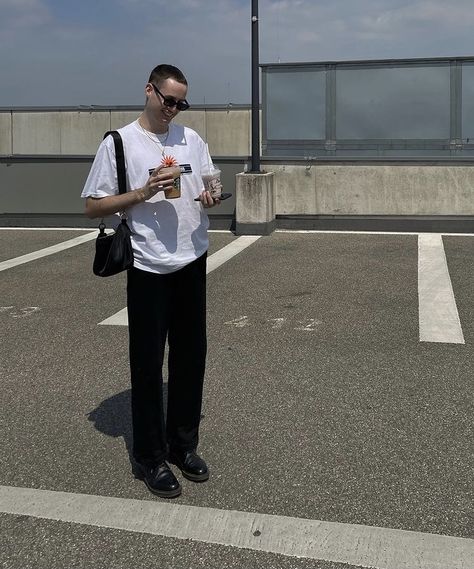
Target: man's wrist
[[141, 195]]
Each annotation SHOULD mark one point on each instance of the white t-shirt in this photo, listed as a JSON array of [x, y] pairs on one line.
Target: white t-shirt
[[167, 234]]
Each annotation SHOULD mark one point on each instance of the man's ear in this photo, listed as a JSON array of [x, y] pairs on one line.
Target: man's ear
[[148, 90]]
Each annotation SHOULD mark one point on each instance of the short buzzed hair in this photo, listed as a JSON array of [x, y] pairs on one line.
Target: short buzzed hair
[[163, 72]]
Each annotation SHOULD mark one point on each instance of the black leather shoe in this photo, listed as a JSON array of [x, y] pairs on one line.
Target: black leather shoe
[[160, 480], [191, 465]]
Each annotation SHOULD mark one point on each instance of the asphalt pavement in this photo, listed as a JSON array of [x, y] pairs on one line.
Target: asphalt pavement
[[320, 401]]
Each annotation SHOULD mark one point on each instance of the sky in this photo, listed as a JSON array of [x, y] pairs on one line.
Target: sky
[[100, 52]]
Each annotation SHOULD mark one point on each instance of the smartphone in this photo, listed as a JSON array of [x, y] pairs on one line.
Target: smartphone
[[222, 197]]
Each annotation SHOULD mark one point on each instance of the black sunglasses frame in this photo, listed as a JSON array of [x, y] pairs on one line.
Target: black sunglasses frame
[[181, 105]]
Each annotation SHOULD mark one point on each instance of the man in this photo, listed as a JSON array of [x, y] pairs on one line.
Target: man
[[166, 288]]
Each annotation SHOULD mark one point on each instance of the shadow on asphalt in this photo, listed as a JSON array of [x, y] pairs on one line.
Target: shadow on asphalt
[[113, 417]]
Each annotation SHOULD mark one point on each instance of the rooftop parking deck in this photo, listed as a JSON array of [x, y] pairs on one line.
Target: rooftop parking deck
[[335, 437]]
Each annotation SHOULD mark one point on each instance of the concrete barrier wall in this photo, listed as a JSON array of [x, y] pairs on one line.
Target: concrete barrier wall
[[78, 132], [51, 188], [49, 192], [332, 190], [5, 133], [357, 189], [38, 184]]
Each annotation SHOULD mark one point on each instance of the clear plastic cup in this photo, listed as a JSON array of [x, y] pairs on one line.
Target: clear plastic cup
[[212, 182]]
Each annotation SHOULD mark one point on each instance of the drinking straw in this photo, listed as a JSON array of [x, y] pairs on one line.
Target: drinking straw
[[209, 162]]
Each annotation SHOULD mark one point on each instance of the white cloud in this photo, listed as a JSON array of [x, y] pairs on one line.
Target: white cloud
[[446, 14], [366, 29], [84, 61]]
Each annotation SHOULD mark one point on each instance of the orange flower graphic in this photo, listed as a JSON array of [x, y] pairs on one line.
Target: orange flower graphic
[[169, 161]]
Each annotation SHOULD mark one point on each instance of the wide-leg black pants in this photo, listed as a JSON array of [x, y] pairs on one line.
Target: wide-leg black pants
[[170, 306]]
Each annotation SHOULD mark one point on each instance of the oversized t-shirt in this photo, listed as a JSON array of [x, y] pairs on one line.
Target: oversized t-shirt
[[167, 234]]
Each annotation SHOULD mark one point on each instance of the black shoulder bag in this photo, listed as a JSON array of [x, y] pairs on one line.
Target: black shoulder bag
[[113, 252]]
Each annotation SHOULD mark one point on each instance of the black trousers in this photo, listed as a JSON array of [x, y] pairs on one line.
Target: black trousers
[[160, 307]]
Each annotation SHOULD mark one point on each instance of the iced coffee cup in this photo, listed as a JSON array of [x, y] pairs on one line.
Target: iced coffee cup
[[175, 191], [212, 182]]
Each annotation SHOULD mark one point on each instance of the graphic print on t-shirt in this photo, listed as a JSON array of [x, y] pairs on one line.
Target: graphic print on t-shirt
[[185, 169]]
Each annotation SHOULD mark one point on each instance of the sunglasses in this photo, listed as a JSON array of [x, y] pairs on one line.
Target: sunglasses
[[181, 105]]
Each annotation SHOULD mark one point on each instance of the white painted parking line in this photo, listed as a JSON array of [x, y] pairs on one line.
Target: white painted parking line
[[438, 313], [120, 318], [47, 251], [231, 250], [78, 229], [375, 547], [213, 262], [46, 229], [354, 232]]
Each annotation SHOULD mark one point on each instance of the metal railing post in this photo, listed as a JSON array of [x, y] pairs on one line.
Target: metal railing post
[[255, 91]]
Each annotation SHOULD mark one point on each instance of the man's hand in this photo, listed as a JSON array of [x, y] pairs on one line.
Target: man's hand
[[157, 183], [207, 200]]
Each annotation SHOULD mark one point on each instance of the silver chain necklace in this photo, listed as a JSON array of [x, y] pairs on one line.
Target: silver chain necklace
[[156, 140]]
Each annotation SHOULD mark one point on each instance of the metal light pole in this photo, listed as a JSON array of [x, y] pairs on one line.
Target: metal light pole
[[255, 92]]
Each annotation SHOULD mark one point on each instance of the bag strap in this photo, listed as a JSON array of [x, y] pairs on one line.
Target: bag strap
[[120, 160]]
